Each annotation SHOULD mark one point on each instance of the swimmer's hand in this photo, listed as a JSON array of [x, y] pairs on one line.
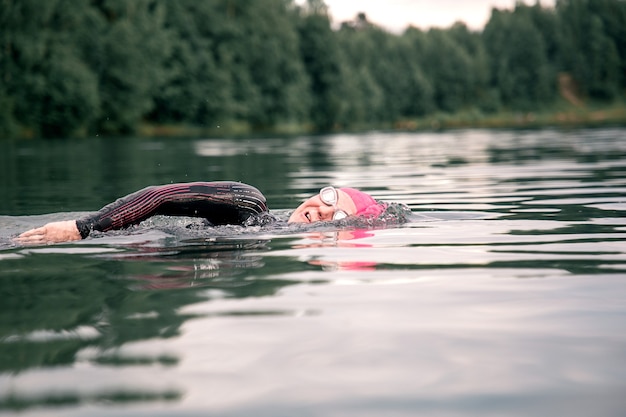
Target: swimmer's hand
[[54, 232]]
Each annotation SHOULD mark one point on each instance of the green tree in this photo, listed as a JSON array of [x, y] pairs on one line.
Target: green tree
[[450, 69], [387, 81], [612, 13], [414, 91], [422, 90], [234, 60], [519, 63], [405, 88], [197, 90], [128, 59], [70, 101], [587, 51], [325, 67], [70, 68], [477, 90], [363, 95], [271, 51], [47, 86]]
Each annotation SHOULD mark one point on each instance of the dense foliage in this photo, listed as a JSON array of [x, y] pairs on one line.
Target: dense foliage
[[81, 67]]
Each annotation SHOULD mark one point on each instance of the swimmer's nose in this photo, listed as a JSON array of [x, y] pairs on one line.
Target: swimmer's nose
[[326, 212]]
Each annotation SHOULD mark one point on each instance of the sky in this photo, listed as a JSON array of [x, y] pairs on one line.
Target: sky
[[396, 15]]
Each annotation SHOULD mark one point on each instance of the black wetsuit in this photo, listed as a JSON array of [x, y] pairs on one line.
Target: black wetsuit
[[222, 202]]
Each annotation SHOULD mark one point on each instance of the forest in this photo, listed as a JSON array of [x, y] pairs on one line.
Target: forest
[[80, 68]]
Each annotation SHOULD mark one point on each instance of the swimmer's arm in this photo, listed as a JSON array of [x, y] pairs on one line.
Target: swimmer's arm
[[123, 212], [54, 232], [219, 202], [222, 202], [70, 230]]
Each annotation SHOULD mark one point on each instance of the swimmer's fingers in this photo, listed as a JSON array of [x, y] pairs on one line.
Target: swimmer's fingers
[[55, 232], [34, 236], [33, 232], [30, 240]]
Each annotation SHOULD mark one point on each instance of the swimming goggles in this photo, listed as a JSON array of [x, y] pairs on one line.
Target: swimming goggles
[[330, 197]]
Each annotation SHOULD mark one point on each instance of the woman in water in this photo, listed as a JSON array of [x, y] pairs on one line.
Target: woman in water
[[220, 203]]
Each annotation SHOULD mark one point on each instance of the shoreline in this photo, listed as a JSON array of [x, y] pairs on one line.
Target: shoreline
[[562, 117], [557, 116]]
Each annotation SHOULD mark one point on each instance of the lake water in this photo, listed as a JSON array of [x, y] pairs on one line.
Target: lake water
[[503, 294]]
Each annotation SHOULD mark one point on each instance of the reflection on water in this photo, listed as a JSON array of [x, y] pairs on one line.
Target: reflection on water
[[67, 310], [501, 294]]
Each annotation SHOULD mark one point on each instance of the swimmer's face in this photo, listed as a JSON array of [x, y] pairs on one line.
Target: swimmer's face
[[316, 210]]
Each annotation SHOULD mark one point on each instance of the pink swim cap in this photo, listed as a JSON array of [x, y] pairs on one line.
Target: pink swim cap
[[365, 203]]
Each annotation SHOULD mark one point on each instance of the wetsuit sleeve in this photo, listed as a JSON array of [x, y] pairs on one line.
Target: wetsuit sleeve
[[222, 202]]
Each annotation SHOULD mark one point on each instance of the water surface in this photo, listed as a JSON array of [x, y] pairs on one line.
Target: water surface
[[503, 293]]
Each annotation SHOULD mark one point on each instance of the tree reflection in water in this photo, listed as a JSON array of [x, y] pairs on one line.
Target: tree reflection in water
[[57, 306]]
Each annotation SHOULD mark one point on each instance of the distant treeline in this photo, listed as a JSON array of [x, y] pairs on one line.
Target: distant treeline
[[85, 67]]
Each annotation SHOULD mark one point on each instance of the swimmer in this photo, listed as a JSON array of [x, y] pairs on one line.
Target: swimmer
[[220, 203]]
